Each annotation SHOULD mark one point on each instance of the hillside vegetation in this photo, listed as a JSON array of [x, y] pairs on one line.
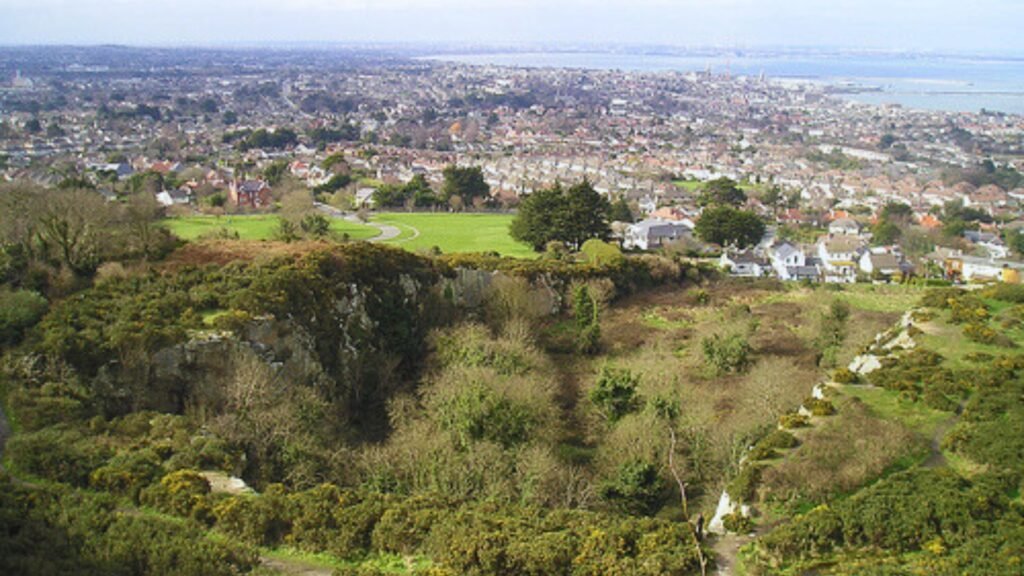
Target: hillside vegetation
[[472, 414]]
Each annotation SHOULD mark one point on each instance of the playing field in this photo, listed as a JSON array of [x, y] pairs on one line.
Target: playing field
[[455, 233], [262, 227]]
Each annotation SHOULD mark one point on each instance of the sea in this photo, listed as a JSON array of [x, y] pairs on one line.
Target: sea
[[923, 81]]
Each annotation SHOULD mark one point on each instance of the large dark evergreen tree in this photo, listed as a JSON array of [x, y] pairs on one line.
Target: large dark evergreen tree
[[725, 226], [572, 216], [467, 183], [721, 192]]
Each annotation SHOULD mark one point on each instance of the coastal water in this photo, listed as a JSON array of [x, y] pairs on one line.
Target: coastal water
[[930, 82]]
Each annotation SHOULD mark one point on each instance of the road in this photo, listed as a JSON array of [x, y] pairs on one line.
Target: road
[[387, 231]]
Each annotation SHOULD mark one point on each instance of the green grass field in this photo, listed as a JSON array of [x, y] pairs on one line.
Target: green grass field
[[690, 185], [455, 233], [262, 227]]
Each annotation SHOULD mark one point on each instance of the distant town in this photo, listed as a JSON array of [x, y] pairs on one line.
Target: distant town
[[211, 131]]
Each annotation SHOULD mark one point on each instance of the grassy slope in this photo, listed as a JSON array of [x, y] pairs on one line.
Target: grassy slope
[[261, 227], [456, 233]]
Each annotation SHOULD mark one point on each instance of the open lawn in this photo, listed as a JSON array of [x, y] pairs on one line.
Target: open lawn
[[455, 233], [690, 185], [261, 227]]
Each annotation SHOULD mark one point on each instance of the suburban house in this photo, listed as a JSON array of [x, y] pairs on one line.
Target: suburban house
[[364, 198], [990, 241], [172, 197], [791, 263], [745, 263], [651, 233], [253, 193], [974, 268], [844, 226], [839, 256], [671, 213], [881, 262]]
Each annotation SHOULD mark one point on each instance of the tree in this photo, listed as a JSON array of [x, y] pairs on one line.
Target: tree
[[538, 219], [74, 226], [897, 212], [572, 216], [615, 393], [721, 192], [465, 182], [275, 171], [635, 489], [588, 321], [727, 226], [885, 232], [620, 212], [586, 215], [145, 236], [1014, 240], [773, 197], [724, 354]]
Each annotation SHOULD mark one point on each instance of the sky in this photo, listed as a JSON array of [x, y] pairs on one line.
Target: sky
[[928, 25]]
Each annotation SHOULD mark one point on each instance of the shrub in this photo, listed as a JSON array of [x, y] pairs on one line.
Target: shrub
[[935, 398], [184, 493], [758, 452], [982, 334], [50, 404], [845, 376], [615, 393], [635, 489], [778, 439], [405, 525], [738, 523], [257, 520], [19, 310], [812, 534], [60, 455], [979, 357], [790, 421], [726, 353], [743, 487], [700, 296], [819, 407], [127, 473], [478, 413]]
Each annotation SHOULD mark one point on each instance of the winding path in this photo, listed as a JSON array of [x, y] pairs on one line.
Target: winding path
[[387, 231]]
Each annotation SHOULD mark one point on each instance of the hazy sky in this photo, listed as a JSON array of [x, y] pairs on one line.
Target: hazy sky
[[988, 25]]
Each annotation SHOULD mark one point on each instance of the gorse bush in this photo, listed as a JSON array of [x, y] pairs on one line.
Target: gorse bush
[[726, 354], [615, 393], [19, 310]]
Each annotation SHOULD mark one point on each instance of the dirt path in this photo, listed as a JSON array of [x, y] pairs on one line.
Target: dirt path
[[726, 550], [937, 459]]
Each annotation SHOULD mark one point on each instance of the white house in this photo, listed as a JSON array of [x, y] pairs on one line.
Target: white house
[[992, 243], [975, 268], [790, 262], [364, 198], [745, 264], [881, 262], [844, 226], [839, 256], [652, 233], [172, 197]]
